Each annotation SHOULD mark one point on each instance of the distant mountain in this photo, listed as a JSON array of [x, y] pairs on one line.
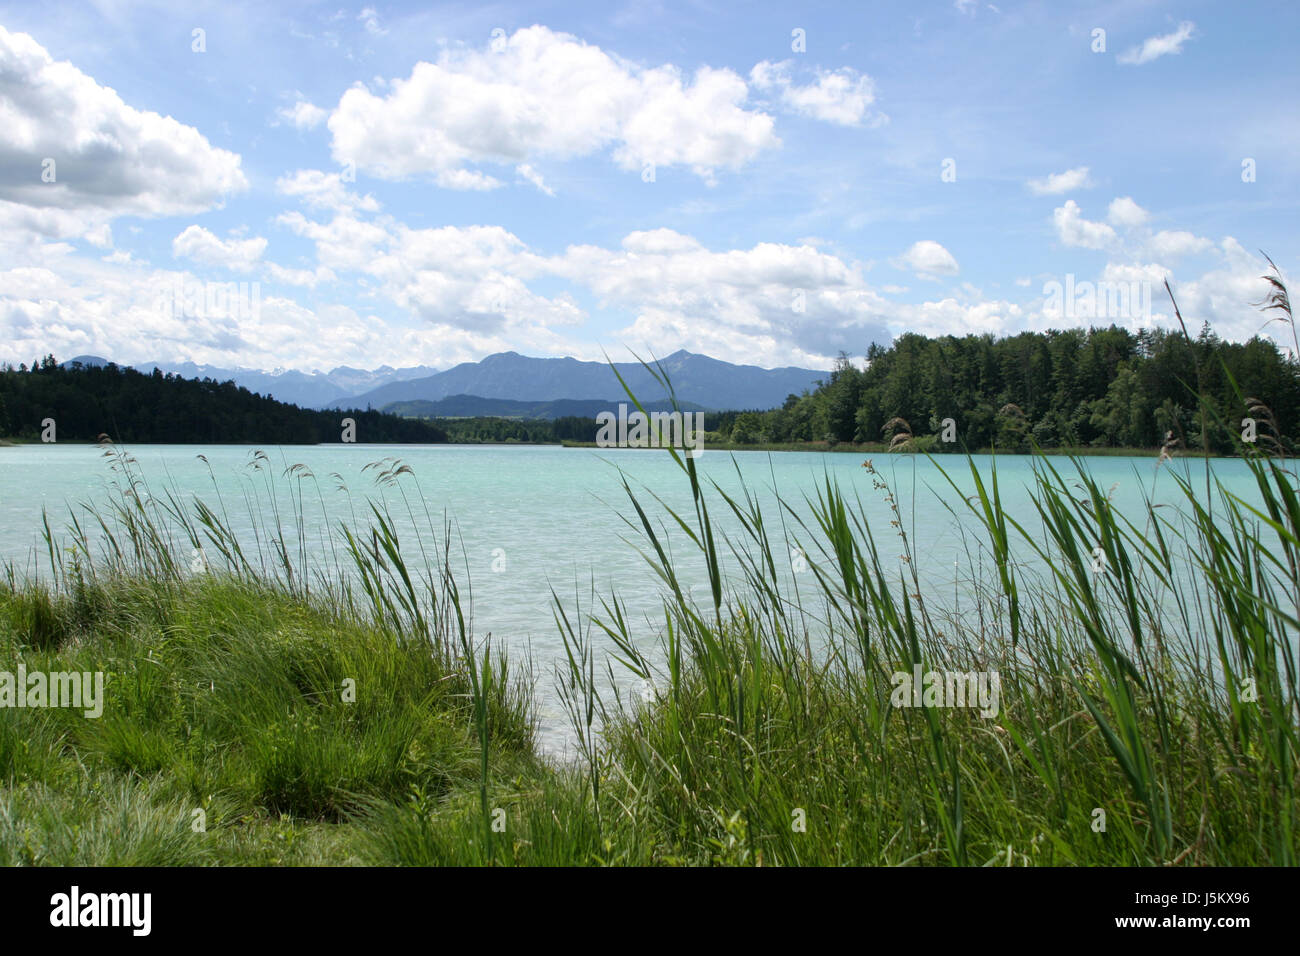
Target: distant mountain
[[305, 389], [705, 382], [471, 406], [89, 361]]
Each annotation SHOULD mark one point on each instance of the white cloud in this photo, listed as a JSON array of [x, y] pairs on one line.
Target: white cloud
[[1151, 273], [202, 246], [1058, 183], [322, 190], [928, 259], [1225, 297], [470, 289], [23, 225], [110, 159], [950, 317], [771, 304], [533, 176], [1073, 230], [548, 95], [466, 179], [299, 277], [345, 243], [1156, 47], [842, 96], [1125, 213], [101, 236], [111, 308], [471, 282], [370, 18], [471, 278], [477, 289], [1176, 244], [304, 115]]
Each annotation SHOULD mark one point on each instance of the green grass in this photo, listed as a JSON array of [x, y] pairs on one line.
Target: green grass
[[233, 699], [1148, 667]]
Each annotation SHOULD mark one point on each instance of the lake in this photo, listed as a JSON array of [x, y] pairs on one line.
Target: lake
[[529, 519]]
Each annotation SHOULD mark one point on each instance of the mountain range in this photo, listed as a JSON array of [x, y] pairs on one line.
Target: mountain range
[[307, 389], [705, 382], [511, 384]]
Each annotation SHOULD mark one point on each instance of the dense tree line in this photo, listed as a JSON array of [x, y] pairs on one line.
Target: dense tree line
[[1100, 387], [130, 406]]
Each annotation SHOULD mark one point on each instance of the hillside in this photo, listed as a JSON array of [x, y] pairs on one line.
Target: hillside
[[85, 401]]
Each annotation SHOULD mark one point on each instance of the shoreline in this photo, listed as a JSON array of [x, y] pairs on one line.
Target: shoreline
[[879, 448], [302, 722], [839, 448]]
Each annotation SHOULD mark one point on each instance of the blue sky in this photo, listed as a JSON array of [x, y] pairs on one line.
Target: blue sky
[[414, 184]]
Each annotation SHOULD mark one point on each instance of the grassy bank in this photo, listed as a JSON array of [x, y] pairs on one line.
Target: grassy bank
[[764, 731], [343, 712], [227, 733]]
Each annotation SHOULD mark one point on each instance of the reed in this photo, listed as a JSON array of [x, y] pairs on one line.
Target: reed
[[1147, 712]]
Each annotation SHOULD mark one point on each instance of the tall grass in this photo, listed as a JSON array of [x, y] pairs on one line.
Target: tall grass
[[285, 695], [1149, 674], [1147, 665]]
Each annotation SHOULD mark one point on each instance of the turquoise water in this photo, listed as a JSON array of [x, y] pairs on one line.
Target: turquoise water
[[531, 519]]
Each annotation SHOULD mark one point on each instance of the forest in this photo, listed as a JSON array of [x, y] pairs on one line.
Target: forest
[[85, 402], [1077, 388]]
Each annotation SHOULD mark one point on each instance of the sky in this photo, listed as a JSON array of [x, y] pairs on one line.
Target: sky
[[306, 185]]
